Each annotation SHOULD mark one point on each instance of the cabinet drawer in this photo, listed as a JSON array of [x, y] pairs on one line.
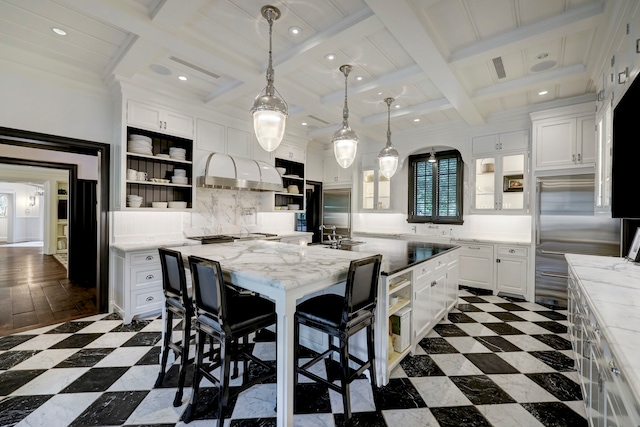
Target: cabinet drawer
[[146, 276], [423, 270], [512, 251], [477, 249], [147, 300], [145, 258]]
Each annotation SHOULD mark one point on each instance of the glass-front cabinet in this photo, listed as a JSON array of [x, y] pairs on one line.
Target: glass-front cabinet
[[603, 161], [376, 190], [500, 183]]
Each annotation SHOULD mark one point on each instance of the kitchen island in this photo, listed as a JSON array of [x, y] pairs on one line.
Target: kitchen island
[[286, 273]]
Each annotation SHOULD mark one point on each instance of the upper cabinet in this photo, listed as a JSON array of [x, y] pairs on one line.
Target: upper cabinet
[[604, 161], [213, 137], [157, 119], [334, 175], [290, 152], [500, 166], [564, 138]]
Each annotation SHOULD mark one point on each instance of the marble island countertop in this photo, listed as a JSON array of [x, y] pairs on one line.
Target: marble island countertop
[[275, 264], [612, 286]]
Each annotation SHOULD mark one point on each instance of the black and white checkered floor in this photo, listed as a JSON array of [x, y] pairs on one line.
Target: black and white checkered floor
[[493, 362]]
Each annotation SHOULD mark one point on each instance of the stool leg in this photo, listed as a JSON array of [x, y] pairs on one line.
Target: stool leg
[[346, 392], [223, 393], [184, 358], [197, 376], [372, 360], [296, 357], [165, 346]]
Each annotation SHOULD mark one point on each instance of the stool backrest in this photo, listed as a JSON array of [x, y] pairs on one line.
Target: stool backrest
[[209, 288], [174, 280], [361, 291]]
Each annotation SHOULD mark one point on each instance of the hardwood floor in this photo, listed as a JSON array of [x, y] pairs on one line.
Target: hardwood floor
[[35, 291]]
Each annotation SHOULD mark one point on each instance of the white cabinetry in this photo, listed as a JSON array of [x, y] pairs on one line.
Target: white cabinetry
[[238, 143], [476, 265], [501, 164], [136, 282], [336, 175], [291, 152], [158, 119], [511, 269], [604, 160], [564, 137]]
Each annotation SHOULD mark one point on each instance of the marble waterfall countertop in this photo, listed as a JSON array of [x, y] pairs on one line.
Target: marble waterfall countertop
[[122, 248], [398, 254], [612, 286], [275, 264]]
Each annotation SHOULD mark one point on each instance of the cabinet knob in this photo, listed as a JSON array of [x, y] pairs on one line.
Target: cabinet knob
[[149, 258], [150, 298], [434, 283], [512, 251], [614, 369], [150, 276]]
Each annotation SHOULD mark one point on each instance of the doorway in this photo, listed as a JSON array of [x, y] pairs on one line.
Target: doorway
[[88, 206]]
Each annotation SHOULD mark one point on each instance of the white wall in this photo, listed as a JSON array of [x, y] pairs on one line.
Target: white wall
[[28, 221]]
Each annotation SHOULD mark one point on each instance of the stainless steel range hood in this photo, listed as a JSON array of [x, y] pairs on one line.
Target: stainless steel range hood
[[238, 173]]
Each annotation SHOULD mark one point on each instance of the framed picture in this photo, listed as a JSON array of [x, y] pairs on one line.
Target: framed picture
[[513, 183], [634, 251]]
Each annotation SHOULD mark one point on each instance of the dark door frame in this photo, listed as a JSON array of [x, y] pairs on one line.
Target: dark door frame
[[71, 145]]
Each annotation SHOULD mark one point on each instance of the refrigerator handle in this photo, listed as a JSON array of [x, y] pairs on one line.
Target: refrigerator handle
[[537, 207]]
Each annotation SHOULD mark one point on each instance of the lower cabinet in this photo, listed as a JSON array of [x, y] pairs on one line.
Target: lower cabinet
[[511, 269], [606, 393], [476, 265], [137, 283], [416, 300]]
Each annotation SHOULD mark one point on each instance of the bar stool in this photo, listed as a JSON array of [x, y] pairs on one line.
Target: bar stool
[[341, 317], [177, 302], [224, 319]]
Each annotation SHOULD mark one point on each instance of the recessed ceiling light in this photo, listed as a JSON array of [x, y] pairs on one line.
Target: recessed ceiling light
[[542, 56], [358, 78], [330, 56], [416, 120], [295, 31], [160, 69], [397, 106], [543, 92], [183, 78], [59, 31], [379, 93], [304, 123]]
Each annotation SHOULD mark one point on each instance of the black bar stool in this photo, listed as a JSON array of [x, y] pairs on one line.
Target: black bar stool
[[225, 319], [341, 317], [177, 302]]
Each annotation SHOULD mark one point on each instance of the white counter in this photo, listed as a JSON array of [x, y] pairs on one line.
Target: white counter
[[612, 287]]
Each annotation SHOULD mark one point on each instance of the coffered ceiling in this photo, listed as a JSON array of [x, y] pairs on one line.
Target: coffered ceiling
[[442, 60]]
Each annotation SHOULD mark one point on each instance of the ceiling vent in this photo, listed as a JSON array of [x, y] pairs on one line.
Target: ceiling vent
[[194, 67], [324, 122], [499, 66]]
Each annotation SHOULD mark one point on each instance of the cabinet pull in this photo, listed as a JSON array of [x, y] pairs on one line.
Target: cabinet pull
[[434, 283], [160, 125], [579, 158], [614, 370], [165, 125], [498, 260], [150, 298], [149, 258], [512, 251], [150, 276], [573, 158]]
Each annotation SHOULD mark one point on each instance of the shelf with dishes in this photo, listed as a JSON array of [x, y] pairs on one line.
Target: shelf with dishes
[[159, 171]]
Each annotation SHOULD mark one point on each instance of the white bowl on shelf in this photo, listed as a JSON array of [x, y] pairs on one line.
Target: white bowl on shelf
[[159, 204], [281, 171], [177, 205], [293, 207], [179, 179]]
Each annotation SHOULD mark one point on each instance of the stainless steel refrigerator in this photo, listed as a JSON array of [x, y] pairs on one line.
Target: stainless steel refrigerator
[[565, 223], [336, 211]]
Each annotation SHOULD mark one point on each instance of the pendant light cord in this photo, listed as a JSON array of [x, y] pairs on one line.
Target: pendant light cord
[[270, 72], [389, 101], [345, 111]]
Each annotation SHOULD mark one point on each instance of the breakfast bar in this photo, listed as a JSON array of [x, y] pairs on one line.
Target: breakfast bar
[[285, 273]]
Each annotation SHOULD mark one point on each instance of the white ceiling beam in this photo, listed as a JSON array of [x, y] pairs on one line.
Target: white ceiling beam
[[566, 23], [351, 28], [530, 82], [424, 108], [172, 14], [406, 75], [403, 23]]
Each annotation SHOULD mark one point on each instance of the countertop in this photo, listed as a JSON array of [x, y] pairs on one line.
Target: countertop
[[123, 248], [469, 238], [398, 254], [612, 286]]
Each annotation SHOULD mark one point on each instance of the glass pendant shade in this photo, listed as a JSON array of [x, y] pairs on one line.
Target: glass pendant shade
[[345, 140], [388, 157], [269, 112]]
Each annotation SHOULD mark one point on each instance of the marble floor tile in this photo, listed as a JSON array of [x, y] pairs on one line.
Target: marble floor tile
[[9, 359], [84, 358], [95, 379], [558, 385], [555, 359], [14, 409], [460, 318], [525, 362], [104, 326], [455, 364], [497, 344], [490, 307], [111, 408], [507, 316], [474, 299], [439, 391], [449, 330], [399, 393], [77, 341], [46, 359], [111, 340], [63, 408], [491, 363], [476, 329], [311, 399], [483, 317], [467, 345], [511, 328], [554, 341], [420, 417], [522, 389], [527, 343], [123, 356], [553, 315], [532, 316], [467, 308], [509, 306], [420, 366], [138, 378], [51, 381], [459, 416], [70, 327], [481, 390], [313, 420], [10, 381], [362, 419], [555, 414], [552, 326], [41, 342], [157, 408], [143, 339], [361, 398], [436, 346], [508, 415], [258, 401], [10, 341]]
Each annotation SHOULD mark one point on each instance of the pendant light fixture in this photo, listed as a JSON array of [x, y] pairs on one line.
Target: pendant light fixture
[[388, 157], [269, 112], [345, 140], [432, 157]]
